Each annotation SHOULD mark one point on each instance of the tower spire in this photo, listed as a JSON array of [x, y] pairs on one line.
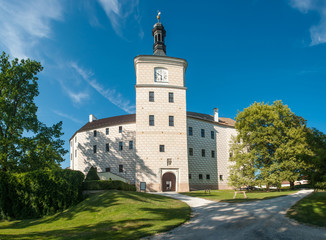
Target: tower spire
[[158, 33]]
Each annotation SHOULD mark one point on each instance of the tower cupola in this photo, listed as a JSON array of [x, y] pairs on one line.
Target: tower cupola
[[158, 32]]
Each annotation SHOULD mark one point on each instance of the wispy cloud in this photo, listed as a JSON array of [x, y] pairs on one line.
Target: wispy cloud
[[317, 32], [64, 115], [110, 94], [23, 23], [76, 97], [120, 13]]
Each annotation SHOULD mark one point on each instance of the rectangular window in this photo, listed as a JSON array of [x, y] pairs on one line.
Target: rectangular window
[[162, 148], [76, 153], [151, 120], [208, 176], [107, 147], [107, 131], [151, 96], [213, 154], [169, 161], [108, 169], [203, 152], [191, 151], [202, 132], [212, 134], [131, 145], [171, 121], [120, 146], [171, 99], [120, 129], [120, 168], [75, 139], [200, 176], [189, 176], [95, 133], [190, 131], [221, 177], [94, 149], [71, 156]]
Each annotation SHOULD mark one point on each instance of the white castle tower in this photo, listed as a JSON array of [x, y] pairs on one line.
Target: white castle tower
[[161, 118]]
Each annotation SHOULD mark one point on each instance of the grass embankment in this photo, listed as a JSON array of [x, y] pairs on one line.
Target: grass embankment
[[311, 209], [110, 215], [227, 195]]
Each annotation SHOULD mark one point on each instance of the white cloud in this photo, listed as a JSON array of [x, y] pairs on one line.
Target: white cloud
[[122, 14], [75, 97], [61, 114], [23, 23], [110, 94], [317, 32]]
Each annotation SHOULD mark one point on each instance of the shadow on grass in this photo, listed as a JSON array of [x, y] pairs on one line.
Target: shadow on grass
[[146, 221]]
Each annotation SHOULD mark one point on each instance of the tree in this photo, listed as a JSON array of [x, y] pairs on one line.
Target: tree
[[316, 171], [270, 146], [18, 88], [92, 174]]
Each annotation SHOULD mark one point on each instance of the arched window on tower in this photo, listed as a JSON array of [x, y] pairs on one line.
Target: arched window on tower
[[159, 37], [155, 38]]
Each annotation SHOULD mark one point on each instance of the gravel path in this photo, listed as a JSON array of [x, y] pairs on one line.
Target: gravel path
[[252, 220]]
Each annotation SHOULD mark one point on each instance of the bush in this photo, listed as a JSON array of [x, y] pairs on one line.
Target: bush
[[108, 185], [320, 186], [92, 174], [37, 193]]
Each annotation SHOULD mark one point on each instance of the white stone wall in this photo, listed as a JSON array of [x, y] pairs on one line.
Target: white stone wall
[[223, 145], [197, 163], [207, 165], [103, 159]]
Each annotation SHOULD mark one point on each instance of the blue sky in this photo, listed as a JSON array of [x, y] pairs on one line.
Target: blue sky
[[238, 52]]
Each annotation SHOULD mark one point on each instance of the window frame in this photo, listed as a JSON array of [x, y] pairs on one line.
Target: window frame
[[107, 147], [190, 131], [203, 153], [151, 96], [120, 168], [213, 153], [212, 135], [95, 133], [200, 176], [120, 146], [94, 148], [107, 131], [171, 121], [202, 133], [191, 151], [120, 129], [162, 148], [131, 145], [151, 120], [171, 97]]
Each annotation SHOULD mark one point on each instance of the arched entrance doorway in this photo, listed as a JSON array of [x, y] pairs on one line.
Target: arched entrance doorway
[[168, 182]]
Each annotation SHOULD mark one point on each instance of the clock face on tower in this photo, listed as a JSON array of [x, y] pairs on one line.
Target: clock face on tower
[[161, 75]]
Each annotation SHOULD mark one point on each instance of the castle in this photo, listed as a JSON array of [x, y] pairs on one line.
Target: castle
[[162, 147]]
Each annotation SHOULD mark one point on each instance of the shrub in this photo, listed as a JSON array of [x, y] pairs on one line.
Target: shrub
[[38, 193], [108, 185], [320, 186], [92, 174]]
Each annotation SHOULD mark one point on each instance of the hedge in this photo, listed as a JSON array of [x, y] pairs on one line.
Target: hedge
[[37, 193], [320, 186], [108, 185]]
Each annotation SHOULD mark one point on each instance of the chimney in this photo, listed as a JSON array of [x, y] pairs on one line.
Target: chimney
[[92, 118], [216, 114]]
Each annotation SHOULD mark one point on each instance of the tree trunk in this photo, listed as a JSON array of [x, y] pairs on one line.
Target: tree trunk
[[267, 187], [292, 185]]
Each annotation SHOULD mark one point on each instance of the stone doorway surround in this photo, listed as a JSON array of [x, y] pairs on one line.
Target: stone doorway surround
[[174, 171]]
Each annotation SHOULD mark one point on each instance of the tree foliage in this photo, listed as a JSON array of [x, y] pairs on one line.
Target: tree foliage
[[270, 146], [43, 147], [92, 174], [317, 162]]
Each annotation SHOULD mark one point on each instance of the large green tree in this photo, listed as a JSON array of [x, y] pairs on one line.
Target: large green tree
[[270, 146], [25, 142], [317, 162]]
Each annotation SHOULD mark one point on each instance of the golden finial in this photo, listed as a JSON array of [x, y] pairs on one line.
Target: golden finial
[[158, 16]]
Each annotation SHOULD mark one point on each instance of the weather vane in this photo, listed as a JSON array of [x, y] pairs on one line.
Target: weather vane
[[158, 15]]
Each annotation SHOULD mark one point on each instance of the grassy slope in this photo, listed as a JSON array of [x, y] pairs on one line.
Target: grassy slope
[[311, 209], [227, 195], [110, 215]]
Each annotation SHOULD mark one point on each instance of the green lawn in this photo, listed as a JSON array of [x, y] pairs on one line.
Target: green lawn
[[227, 195], [311, 209], [110, 215]]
